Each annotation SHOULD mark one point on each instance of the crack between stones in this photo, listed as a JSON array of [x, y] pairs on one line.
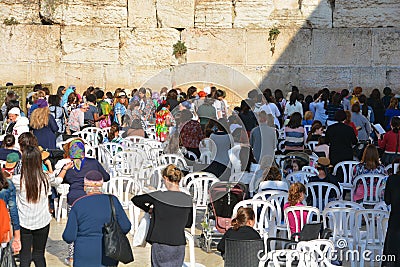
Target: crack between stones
[[233, 12]]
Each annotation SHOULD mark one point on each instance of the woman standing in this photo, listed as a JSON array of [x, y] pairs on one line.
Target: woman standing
[[58, 113], [120, 108], [392, 111], [44, 125], [294, 105], [32, 201], [171, 211], [319, 106], [86, 222], [390, 142], [164, 120], [76, 118]]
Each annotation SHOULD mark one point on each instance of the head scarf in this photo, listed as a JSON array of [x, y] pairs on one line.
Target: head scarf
[[77, 153]]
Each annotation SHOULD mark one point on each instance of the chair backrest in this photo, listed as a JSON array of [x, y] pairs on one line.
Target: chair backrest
[[299, 176], [153, 143], [156, 179], [265, 215], [155, 154], [320, 192], [341, 221], [89, 137], [307, 129], [112, 148], [90, 152], [91, 130], [344, 204], [128, 162], [372, 222], [145, 148], [126, 144], [3, 163], [382, 206], [310, 169], [192, 156], [177, 160], [278, 201], [199, 187], [134, 138], [372, 185], [347, 169], [301, 215], [311, 145], [239, 253], [274, 185], [318, 252], [279, 160], [264, 195], [194, 175], [123, 187]]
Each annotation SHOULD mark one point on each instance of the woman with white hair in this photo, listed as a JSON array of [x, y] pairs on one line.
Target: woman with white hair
[[17, 124]]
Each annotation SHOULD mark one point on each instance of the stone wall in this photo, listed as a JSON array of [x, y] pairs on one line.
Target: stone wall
[[115, 43]]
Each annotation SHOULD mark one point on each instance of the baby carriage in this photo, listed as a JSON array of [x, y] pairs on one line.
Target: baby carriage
[[294, 161], [217, 218]]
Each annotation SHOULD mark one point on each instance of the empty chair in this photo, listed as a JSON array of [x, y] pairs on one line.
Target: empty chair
[[370, 186], [178, 161], [278, 201], [128, 163], [317, 253], [89, 137], [192, 258], [321, 193], [345, 168], [264, 195], [344, 204]]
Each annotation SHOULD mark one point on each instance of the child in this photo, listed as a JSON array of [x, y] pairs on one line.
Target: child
[[297, 192], [11, 161]]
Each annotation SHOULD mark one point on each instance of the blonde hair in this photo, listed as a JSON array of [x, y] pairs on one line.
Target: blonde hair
[[295, 191], [308, 115], [173, 174], [243, 215], [39, 118]]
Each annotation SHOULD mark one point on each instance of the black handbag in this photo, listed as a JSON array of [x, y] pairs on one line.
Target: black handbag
[[7, 259], [116, 244]]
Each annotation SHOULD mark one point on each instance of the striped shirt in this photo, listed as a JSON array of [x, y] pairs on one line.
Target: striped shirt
[[32, 216], [294, 138]]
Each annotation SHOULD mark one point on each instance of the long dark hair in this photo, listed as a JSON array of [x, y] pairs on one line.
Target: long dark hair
[[32, 173], [293, 98], [242, 217], [3, 181], [295, 120]]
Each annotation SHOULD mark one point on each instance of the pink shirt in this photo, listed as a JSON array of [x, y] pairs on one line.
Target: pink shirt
[[291, 219]]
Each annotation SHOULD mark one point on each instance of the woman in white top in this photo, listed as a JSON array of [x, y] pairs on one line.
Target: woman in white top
[[293, 105], [32, 188], [271, 108]]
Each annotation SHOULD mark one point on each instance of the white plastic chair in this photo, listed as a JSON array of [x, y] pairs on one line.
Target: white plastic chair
[[347, 168], [153, 143], [127, 144], [316, 253], [344, 204], [373, 238], [274, 185], [382, 206], [299, 176], [264, 195], [307, 129], [320, 192], [372, 188], [60, 204], [3, 163], [310, 169], [124, 188], [155, 154], [156, 179], [178, 161], [135, 139], [192, 258], [234, 156], [311, 145], [265, 215], [89, 137], [128, 163], [313, 215], [194, 175], [199, 187], [278, 201]]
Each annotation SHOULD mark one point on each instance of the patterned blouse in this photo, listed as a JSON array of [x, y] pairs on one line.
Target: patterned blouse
[[191, 134], [162, 129]]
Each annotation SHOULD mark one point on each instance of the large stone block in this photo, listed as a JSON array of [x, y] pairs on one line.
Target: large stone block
[[225, 46], [150, 47], [83, 75], [366, 13], [282, 14], [119, 76], [292, 47], [214, 14], [85, 12], [386, 47], [393, 78], [18, 73], [23, 11], [29, 43], [142, 14], [342, 47], [175, 13], [90, 44]]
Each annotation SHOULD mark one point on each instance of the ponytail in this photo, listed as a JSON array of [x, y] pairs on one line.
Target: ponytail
[[242, 217]]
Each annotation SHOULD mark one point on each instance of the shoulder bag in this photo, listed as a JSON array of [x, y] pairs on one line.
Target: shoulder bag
[[116, 244]]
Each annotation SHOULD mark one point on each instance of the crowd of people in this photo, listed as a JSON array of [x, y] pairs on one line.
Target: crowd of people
[[345, 126]]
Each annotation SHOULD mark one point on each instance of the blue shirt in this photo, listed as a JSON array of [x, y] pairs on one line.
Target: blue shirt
[[119, 109], [9, 197]]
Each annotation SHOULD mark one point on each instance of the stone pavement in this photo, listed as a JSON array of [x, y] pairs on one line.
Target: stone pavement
[[57, 251]]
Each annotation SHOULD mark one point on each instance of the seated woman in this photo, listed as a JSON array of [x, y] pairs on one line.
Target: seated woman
[[113, 135], [369, 165], [273, 181], [316, 132], [294, 133], [297, 192], [8, 146], [322, 149], [242, 228]]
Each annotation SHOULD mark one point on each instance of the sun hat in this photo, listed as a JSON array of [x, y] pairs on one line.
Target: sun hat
[[323, 162], [45, 154], [12, 160], [15, 111]]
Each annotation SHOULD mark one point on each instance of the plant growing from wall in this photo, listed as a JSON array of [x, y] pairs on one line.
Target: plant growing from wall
[[180, 49], [273, 36], [10, 21]]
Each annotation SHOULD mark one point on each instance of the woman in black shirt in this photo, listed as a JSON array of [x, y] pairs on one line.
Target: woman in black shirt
[[171, 211]]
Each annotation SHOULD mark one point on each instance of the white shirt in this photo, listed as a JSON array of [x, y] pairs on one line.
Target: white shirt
[[290, 109], [271, 108], [32, 216]]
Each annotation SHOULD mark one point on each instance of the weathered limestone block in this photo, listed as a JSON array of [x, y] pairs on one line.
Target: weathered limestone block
[[225, 46], [89, 44], [29, 43], [23, 11], [386, 47], [342, 47], [119, 76], [282, 14], [154, 77], [142, 14], [213, 14], [147, 47], [85, 12], [18, 73], [367, 13], [369, 78], [83, 75], [393, 78], [292, 47], [175, 13]]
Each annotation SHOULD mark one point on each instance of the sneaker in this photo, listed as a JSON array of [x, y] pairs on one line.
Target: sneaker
[[69, 262]]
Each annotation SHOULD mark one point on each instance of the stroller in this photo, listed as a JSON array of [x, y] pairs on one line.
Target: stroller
[[217, 218], [289, 162]]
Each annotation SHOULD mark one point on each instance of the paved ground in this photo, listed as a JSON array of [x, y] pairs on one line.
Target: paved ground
[[56, 251]]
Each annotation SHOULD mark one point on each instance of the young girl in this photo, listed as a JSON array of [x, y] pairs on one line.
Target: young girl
[[297, 192], [242, 228]]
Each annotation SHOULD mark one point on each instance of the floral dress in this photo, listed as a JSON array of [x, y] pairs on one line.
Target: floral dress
[[162, 129]]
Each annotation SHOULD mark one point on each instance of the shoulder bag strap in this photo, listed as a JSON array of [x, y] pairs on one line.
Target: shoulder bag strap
[[113, 216]]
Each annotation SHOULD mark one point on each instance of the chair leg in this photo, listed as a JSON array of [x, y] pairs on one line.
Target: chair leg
[[193, 228], [56, 200]]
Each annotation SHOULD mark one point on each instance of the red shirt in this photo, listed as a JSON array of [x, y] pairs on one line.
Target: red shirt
[[389, 142]]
